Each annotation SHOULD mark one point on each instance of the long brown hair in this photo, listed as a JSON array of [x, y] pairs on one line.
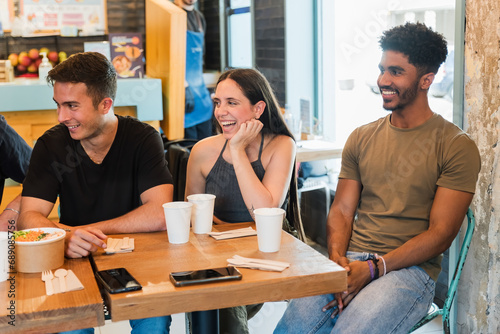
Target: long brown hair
[[256, 88]]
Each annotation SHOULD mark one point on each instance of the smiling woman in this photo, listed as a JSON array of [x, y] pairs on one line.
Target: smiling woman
[[250, 165], [255, 146]]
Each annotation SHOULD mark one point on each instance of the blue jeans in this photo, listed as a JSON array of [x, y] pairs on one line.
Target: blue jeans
[[156, 325], [391, 304]]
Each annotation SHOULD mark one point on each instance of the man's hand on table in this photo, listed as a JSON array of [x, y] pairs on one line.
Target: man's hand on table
[[82, 241]]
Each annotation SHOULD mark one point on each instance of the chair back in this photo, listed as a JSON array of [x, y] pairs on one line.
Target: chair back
[[452, 287], [177, 155], [293, 216]]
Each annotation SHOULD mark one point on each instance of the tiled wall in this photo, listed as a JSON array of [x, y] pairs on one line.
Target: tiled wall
[[270, 44], [210, 9]]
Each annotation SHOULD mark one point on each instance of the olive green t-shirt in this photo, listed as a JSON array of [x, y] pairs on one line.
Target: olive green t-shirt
[[400, 170]]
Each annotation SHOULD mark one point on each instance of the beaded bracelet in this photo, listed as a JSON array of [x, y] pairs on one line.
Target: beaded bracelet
[[372, 271], [12, 210]]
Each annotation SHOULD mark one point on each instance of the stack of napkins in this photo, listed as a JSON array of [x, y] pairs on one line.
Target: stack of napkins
[[261, 264], [124, 245], [242, 232]]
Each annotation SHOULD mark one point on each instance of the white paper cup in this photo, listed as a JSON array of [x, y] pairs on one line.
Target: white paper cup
[[178, 218], [202, 213], [269, 222], [4, 266]]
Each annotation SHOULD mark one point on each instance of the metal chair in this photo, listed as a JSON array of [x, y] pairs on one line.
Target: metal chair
[[434, 310], [310, 185], [315, 200]]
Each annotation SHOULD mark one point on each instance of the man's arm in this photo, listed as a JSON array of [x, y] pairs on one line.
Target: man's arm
[[149, 217], [81, 241], [341, 218], [78, 243], [447, 213], [34, 213], [10, 213], [339, 230]]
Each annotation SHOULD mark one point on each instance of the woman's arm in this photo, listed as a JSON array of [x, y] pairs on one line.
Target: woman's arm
[[271, 192]]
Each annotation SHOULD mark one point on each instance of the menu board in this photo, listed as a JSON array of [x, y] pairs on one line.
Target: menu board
[[64, 17]]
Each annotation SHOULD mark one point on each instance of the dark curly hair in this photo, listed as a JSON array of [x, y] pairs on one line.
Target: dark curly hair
[[91, 68], [425, 48]]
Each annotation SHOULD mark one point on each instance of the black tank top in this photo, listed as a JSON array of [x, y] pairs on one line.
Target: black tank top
[[222, 182]]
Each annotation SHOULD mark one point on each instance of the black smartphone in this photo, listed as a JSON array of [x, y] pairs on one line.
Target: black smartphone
[[117, 280], [183, 278]]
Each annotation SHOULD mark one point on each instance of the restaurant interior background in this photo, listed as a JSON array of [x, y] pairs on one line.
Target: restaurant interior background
[[321, 56]]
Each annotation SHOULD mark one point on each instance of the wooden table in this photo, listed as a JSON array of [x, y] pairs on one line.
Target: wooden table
[[32, 311], [154, 258], [310, 150]]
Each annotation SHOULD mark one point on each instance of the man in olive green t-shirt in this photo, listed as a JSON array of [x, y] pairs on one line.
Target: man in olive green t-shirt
[[404, 188]]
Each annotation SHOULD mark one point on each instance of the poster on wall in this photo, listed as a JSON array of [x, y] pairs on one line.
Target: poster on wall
[[127, 54], [56, 17]]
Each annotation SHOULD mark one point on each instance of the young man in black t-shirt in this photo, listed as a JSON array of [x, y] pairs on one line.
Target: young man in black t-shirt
[[109, 172]]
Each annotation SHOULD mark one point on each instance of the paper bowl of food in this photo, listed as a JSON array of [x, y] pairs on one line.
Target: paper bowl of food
[[39, 249]]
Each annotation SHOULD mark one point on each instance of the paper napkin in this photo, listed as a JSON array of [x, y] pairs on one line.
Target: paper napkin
[[72, 283], [124, 245], [261, 264], [238, 233]]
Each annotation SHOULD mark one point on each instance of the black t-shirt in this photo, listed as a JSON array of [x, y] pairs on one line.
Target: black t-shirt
[[89, 192], [14, 155]]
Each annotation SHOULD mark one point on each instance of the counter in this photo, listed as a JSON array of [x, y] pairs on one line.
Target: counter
[[29, 94]]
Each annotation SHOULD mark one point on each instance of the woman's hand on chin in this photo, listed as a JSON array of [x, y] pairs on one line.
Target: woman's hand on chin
[[246, 134]]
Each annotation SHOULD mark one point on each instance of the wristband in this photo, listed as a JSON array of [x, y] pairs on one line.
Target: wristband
[[12, 210], [383, 261]]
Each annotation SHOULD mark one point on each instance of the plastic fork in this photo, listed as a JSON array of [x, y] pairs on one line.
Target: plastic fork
[[47, 277]]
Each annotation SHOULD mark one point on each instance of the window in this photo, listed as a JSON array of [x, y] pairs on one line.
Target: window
[[239, 34], [348, 57]]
